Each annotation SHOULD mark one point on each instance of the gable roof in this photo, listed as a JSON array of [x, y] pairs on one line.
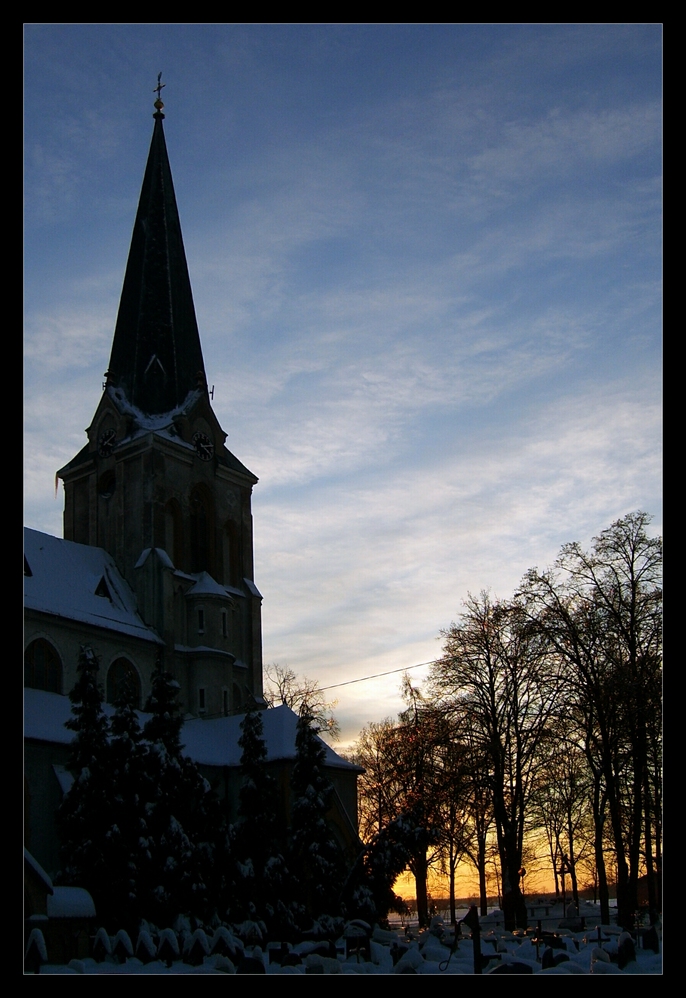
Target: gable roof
[[211, 742], [79, 582], [215, 742]]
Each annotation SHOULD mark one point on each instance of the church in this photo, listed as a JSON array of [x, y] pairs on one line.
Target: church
[[156, 564]]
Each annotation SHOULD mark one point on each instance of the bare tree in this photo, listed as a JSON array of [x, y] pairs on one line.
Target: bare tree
[[380, 789], [302, 695], [406, 780], [563, 806], [496, 680], [600, 611]]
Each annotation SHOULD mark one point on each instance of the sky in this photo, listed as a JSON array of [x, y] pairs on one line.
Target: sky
[[426, 266]]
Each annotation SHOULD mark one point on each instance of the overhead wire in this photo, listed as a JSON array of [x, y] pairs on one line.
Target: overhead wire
[[377, 675]]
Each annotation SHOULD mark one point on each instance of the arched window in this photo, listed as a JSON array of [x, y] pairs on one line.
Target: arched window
[[233, 569], [118, 673], [173, 533], [236, 697], [42, 667], [201, 531]]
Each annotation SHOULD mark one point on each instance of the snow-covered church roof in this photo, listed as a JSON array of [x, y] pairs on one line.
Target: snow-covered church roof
[[212, 742], [79, 582], [215, 742]]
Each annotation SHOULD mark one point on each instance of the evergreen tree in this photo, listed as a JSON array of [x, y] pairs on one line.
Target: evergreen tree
[[85, 814], [129, 824], [368, 891], [260, 868], [316, 860], [182, 815]]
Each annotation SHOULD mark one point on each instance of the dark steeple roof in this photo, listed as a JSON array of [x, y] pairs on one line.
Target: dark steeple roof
[[156, 356]]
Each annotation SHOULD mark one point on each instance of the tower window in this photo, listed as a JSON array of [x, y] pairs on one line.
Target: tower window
[[225, 628], [225, 702], [200, 532], [201, 621], [106, 485], [173, 533], [103, 590], [201, 700]]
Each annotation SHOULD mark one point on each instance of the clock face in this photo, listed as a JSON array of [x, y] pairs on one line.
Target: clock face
[[204, 447], [107, 442]]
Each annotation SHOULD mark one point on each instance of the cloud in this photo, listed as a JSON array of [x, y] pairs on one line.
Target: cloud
[[361, 575]]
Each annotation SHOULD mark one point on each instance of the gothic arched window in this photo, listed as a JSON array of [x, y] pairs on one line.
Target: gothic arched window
[[233, 569], [201, 531], [42, 667], [118, 673], [173, 533], [237, 699]]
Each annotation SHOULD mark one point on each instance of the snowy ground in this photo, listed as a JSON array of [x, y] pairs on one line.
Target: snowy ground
[[587, 952]]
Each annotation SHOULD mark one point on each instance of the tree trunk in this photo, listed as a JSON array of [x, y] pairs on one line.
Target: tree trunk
[[453, 916], [650, 870], [572, 862], [601, 873], [483, 892], [514, 903], [420, 876]]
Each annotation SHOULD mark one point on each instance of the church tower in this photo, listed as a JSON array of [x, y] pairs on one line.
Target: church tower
[[155, 486]]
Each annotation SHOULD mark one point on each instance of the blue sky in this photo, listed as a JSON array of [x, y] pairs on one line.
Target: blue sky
[[426, 264]]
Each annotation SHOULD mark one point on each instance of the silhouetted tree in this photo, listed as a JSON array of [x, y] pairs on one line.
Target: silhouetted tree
[[495, 679], [601, 612], [85, 815], [184, 823], [316, 861], [259, 866]]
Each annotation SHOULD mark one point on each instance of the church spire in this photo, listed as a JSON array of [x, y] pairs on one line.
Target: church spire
[[156, 357]]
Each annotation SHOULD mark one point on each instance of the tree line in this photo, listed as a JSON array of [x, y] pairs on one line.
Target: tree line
[[543, 714]]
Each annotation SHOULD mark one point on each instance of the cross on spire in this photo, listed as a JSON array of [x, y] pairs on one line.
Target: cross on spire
[[158, 105]]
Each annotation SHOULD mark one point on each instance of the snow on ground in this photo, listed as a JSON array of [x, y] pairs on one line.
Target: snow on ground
[[429, 952]]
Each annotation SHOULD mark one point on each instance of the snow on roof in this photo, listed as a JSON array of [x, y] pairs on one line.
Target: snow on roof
[[64, 777], [254, 591], [161, 554], [160, 422], [70, 902], [45, 714], [81, 583], [212, 742], [206, 586], [35, 865], [205, 650]]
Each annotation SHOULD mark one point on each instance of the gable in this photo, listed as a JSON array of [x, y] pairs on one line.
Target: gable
[[80, 583]]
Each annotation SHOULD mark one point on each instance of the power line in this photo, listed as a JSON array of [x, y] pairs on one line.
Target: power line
[[377, 675]]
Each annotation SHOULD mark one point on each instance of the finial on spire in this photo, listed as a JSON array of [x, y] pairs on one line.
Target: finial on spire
[[158, 105]]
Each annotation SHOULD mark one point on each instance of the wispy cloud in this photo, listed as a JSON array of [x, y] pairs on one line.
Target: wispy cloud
[[425, 261]]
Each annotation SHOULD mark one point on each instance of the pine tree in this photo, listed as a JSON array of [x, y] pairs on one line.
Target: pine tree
[[129, 824], [259, 866], [85, 814], [316, 860], [182, 816]]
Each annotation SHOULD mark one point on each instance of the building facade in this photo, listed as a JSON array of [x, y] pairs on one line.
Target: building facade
[[156, 489], [156, 564]]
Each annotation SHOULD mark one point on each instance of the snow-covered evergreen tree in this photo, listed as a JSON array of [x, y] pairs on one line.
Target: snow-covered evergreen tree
[[129, 825], [316, 860], [85, 813], [181, 813], [259, 867]]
